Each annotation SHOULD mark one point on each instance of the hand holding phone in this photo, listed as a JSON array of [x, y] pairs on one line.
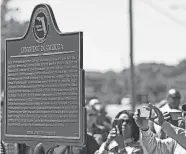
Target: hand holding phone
[[117, 125], [111, 136]]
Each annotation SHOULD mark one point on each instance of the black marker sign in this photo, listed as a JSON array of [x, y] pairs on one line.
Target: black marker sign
[[44, 97]]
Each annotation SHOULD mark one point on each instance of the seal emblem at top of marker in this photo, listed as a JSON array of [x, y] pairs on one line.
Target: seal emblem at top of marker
[[40, 25]]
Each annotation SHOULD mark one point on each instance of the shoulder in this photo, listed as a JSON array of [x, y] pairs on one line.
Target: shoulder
[[113, 145], [162, 104], [57, 149], [137, 148], [90, 138], [91, 144], [169, 142], [137, 151]]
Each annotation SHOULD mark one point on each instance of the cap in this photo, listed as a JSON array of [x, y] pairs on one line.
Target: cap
[[174, 93], [93, 102]]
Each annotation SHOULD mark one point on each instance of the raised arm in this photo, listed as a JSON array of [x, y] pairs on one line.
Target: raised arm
[[178, 134], [153, 145]]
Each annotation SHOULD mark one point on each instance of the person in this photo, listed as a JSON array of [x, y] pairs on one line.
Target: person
[[3, 151], [8, 148], [102, 124], [93, 128], [91, 119], [174, 144], [24, 149], [170, 104], [91, 144], [172, 100], [39, 149], [122, 139], [89, 148], [183, 118]]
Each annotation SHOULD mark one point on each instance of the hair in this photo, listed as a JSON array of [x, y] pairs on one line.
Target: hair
[[135, 128]]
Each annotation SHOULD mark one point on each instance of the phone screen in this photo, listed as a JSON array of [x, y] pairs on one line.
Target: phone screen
[[116, 122], [144, 112]]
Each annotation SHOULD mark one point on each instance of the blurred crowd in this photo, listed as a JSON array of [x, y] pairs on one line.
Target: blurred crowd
[[162, 131]]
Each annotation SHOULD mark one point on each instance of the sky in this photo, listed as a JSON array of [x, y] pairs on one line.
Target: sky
[[159, 29]]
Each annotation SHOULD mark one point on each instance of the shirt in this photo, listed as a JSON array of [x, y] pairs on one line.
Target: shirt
[[90, 148], [130, 147], [178, 134], [154, 145], [10, 148]]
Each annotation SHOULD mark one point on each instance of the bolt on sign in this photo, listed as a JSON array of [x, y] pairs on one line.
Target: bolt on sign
[[44, 96]]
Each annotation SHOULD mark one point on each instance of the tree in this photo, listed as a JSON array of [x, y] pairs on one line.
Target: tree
[[9, 29]]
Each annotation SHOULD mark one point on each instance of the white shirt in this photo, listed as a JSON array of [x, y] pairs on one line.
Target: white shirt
[[154, 145], [164, 108]]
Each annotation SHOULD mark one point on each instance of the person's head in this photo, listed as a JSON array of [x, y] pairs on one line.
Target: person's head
[[91, 116], [173, 98], [128, 128], [39, 149], [93, 101]]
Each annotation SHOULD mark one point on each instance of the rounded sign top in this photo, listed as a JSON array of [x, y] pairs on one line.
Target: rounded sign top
[[40, 25]]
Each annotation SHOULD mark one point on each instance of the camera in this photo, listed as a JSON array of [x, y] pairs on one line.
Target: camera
[[183, 107], [175, 115]]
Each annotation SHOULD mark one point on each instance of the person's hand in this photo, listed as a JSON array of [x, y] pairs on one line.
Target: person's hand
[[141, 122], [159, 119], [167, 116], [182, 122], [111, 136], [98, 138]]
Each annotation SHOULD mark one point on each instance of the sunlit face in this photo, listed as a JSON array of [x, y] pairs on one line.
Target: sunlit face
[[126, 126]]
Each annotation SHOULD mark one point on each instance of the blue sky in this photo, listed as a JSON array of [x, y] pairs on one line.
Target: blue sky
[[104, 23]]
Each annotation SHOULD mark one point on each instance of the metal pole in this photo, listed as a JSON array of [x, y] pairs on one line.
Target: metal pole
[[131, 56]]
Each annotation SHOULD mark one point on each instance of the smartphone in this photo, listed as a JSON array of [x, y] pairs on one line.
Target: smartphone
[[144, 112], [117, 124], [183, 107]]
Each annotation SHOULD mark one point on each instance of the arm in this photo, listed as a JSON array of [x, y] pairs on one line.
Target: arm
[[91, 145], [178, 134], [107, 148], [153, 145], [159, 132], [102, 149]]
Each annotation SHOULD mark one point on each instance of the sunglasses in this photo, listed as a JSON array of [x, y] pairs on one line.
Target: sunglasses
[[127, 121], [119, 122]]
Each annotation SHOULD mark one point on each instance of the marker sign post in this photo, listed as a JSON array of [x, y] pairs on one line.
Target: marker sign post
[[44, 95]]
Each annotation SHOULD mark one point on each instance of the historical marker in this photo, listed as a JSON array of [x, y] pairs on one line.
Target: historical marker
[[44, 96]]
